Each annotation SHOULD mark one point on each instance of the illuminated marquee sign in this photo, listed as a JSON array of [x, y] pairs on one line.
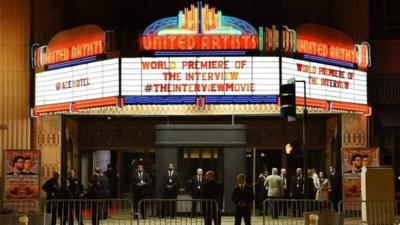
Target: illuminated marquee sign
[[321, 43], [236, 76], [73, 44], [199, 28], [326, 82], [76, 83], [190, 76]]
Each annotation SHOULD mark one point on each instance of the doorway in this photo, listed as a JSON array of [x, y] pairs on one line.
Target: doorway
[[190, 159]]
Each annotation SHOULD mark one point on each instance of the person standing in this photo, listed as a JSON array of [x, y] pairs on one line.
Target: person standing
[[275, 191], [197, 183], [65, 207], [94, 193], [50, 187], [141, 185], [212, 190], [113, 177], [311, 189], [334, 194], [297, 192], [324, 187], [261, 191], [243, 197], [170, 182], [104, 193], [286, 195], [76, 188]]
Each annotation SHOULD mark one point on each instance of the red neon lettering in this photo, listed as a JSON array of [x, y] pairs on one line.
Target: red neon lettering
[[74, 52], [199, 42]]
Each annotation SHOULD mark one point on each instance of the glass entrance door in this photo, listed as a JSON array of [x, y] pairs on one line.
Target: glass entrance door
[[190, 159]]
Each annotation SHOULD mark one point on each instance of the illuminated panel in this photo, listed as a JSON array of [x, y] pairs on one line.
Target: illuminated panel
[[209, 76], [326, 82], [77, 83]]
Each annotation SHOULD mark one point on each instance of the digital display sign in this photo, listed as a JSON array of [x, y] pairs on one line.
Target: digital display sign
[[182, 76], [83, 82]]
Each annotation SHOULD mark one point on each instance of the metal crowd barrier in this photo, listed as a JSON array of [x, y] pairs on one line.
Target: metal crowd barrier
[[89, 211], [291, 211], [370, 212], [177, 211], [18, 207]]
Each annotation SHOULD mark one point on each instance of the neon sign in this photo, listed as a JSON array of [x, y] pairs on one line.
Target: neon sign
[[199, 28], [319, 43], [199, 42], [73, 52], [69, 45]]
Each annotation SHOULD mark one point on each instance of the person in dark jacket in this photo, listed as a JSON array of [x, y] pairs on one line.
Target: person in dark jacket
[[64, 207], [261, 191], [212, 190], [171, 183], [141, 186], [76, 187], [243, 197], [94, 193], [297, 192], [113, 177], [196, 187], [334, 180], [104, 193], [50, 187]]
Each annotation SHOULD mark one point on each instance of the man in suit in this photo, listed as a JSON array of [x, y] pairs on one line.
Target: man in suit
[[212, 190], [286, 195], [197, 183], [76, 188], [170, 182], [141, 185], [243, 197], [113, 177], [50, 187], [104, 193], [333, 179], [261, 191], [297, 191]]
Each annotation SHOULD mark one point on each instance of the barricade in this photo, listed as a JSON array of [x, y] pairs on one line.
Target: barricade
[[290, 211], [177, 211], [370, 212], [89, 211]]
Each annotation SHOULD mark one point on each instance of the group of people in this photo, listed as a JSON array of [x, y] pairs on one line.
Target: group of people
[[203, 187], [279, 186], [101, 186]]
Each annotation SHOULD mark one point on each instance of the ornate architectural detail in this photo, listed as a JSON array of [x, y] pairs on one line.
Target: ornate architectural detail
[[48, 138], [354, 138]]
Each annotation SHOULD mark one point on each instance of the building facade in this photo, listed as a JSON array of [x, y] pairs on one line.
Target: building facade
[[121, 103]]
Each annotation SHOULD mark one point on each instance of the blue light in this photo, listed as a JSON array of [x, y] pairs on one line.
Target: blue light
[[72, 62], [198, 53], [329, 61], [165, 100]]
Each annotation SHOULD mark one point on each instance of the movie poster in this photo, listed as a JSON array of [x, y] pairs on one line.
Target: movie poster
[[21, 176], [353, 160]]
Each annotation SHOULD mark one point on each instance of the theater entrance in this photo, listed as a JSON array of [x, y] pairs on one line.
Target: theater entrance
[[221, 148], [206, 158]]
